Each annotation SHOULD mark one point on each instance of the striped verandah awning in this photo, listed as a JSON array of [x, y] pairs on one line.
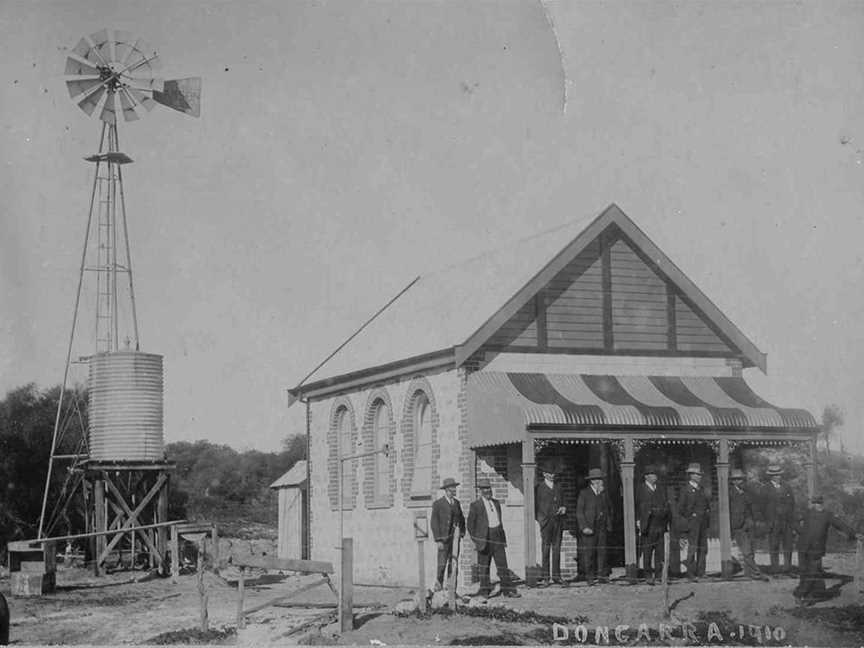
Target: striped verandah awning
[[502, 406]]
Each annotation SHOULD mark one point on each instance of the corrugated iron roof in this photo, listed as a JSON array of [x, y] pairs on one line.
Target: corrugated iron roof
[[294, 477], [442, 309], [502, 405], [460, 306]]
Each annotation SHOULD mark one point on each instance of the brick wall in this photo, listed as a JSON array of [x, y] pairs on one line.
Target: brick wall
[[385, 550]]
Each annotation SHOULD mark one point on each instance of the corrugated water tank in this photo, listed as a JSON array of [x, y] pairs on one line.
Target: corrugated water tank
[[126, 421]]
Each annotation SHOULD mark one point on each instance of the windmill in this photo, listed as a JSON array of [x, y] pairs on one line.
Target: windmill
[[119, 467]]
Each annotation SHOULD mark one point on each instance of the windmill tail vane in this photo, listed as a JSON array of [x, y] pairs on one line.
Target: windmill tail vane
[[113, 67]]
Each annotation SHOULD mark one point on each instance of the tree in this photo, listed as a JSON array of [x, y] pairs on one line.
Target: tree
[[27, 416], [833, 418]]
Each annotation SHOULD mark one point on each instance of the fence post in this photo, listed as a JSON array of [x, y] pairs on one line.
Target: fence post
[[241, 595], [346, 623], [666, 574]]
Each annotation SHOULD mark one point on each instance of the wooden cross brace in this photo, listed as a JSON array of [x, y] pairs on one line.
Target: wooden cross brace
[[132, 517]]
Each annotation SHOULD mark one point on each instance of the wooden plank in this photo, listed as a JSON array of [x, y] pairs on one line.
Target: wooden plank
[[540, 309], [575, 299], [642, 332], [577, 345], [283, 597], [575, 327], [639, 320], [574, 317], [286, 564], [640, 346], [641, 335]]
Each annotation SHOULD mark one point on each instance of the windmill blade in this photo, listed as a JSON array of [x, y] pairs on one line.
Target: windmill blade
[[76, 67], [82, 48], [109, 110], [127, 104], [183, 95], [142, 50], [142, 66], [124, 44], [79, 86], [141, 98], [102, 45], [151, 84], [88, 104]]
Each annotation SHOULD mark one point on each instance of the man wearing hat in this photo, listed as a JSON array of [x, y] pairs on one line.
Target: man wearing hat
[[779, 517], [694, 507], [811, 547], [595, 521], [549, 513], [487, 532], [741, 522], [446, 518], [652, 516]]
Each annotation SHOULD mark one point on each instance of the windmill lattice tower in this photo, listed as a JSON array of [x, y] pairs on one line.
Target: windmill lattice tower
[[119, 469]]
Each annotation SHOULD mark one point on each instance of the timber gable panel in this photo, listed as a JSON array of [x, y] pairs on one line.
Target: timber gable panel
[[611, 299]]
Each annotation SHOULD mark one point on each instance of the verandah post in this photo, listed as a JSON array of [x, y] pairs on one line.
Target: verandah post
[[528, 478], [627, 466]]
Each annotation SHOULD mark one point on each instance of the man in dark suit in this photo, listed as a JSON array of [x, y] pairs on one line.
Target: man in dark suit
[[652, 516], [487, 532], [811, 547], [595, 520], [446, 518], [780, 518], [694, 507], [549, 513], [741, 522]]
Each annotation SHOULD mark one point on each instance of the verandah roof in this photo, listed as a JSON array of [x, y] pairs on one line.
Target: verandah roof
[[502, 405]]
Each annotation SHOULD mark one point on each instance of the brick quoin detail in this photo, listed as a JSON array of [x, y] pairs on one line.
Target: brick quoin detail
[[339, 404], [419, 385], [495, 457], [467, 491], [377, 397]]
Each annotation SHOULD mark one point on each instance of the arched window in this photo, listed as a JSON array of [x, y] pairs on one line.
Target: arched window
[[421, 480], [346, 448], [380, 437]]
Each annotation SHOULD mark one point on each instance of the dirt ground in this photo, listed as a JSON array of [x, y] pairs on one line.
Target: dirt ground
[[138, 608]]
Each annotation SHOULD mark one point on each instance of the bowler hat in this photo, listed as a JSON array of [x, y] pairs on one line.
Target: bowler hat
[[694, 468], [483, 483], [448, 482], [774, 469], [596, 473], [650, 469], [737, 474], [817, 499]]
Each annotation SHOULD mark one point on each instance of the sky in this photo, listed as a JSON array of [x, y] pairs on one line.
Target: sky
[[344, 148]]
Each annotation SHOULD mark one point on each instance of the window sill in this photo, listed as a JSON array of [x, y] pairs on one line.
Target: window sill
[[379, 505], [419, 502]]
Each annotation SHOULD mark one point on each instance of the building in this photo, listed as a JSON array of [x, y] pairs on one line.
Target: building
[[584, 345], [293, 502]]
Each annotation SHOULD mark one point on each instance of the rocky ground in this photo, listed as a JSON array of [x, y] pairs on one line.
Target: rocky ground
[[139, 608]]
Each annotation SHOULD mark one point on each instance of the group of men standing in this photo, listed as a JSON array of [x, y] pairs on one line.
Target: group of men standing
[[654, 516]]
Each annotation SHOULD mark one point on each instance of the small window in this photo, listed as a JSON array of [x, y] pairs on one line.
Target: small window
[[380, 437], [421, 480]]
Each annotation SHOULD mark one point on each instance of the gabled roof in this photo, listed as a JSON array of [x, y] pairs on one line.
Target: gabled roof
[[296, 476], [459, 308]]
